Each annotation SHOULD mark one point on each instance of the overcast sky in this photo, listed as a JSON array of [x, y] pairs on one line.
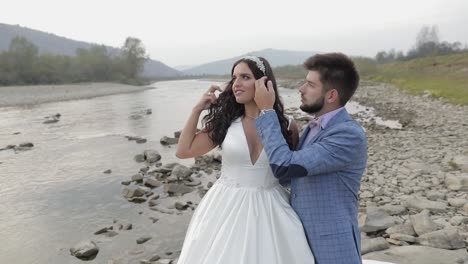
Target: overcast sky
[[192, 32]]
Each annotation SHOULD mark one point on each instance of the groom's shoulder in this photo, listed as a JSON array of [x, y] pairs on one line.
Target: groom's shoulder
[[349, 126]]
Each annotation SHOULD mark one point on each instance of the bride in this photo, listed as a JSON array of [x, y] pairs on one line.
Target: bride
[[246, 216]]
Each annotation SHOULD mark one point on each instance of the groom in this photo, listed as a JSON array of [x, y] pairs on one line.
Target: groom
[[325, 171]]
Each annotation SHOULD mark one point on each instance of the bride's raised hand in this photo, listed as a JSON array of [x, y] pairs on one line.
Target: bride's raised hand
[[208, 98]]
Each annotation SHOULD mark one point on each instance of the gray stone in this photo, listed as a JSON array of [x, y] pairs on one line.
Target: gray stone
[[457, 202], [85, 250], [133, 191], [393, 209], [181, 172], [143, 239], [418, 255], [459, 220], [168, 141], [406, 229], [192, 182], [152, 156], [457, 182], [462, 162], [152, 183], [177, 189], [139, 158], [421, 204], [403, 237], [435, 195], [447, 238], [137, 177], [422, 223], [373, 244], [374, 220]]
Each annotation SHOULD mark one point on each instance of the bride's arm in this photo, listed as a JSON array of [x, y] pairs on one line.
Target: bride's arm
[[193, 144]]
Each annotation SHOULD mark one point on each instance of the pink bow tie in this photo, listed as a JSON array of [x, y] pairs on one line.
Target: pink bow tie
[[314, 121]]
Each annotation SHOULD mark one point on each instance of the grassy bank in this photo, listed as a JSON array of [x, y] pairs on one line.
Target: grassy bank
[[440, 76]]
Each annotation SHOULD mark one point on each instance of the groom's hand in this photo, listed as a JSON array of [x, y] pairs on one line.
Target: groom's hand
[[264, 94]]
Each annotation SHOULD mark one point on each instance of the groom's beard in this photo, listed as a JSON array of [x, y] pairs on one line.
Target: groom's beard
[[315, 107]]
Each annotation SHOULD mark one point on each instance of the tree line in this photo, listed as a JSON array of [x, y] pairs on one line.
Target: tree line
[[427, 44], [22, 64]]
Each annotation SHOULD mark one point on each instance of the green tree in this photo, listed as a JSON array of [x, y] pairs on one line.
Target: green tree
[[134, 57]]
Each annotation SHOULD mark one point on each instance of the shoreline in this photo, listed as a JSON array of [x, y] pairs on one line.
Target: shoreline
[[11, 96]]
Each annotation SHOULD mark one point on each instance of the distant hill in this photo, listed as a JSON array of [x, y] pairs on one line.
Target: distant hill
[[53, 44], [274, 56]]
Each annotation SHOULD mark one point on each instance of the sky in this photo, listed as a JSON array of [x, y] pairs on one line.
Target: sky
[[194, 32]]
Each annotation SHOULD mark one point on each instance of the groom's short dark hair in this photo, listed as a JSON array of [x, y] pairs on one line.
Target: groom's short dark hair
[[337, 71]]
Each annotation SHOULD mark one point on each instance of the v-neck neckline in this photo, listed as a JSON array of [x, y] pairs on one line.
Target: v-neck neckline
[[247, 145]]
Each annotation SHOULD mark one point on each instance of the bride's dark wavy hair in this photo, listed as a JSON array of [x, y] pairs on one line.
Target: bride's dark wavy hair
[[226, 109]]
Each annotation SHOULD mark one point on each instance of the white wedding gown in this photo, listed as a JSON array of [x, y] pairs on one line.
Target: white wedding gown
[[245, 218]]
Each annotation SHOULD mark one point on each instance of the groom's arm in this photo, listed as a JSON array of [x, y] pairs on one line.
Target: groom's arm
[[333, 153]]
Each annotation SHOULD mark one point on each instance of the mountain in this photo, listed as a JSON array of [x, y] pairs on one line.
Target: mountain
[[53, 44], [274, 56]]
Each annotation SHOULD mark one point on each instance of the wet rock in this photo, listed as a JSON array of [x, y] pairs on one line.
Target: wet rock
[[153, 183], [139, 158], [168, 141], [152, 156], [133, 191], [373, 244], [126, 182], [143, 239], [85, 250], [191, 182], [181, 206], [447, 238], [162, 209], [102, 230], [177, 189], [135, 117], [422, 223], [137, 177], [141, 140], [111, 233], [181, 172], [26, 145]]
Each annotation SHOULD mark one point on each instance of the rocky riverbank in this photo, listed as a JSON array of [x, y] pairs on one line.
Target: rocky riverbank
[[413, 198]]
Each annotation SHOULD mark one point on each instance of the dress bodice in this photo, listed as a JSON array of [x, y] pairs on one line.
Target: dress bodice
[[237, 168]]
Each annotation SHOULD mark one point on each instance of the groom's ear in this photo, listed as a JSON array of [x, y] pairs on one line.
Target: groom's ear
[[332, 96]]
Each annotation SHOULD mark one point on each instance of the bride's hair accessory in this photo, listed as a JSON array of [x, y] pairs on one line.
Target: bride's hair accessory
[[257, 61]]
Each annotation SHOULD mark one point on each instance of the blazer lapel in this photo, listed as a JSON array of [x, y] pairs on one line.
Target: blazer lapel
[[303, 136]]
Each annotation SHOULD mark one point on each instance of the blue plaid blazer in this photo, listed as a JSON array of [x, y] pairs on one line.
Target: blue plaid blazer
[[325, 177]]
